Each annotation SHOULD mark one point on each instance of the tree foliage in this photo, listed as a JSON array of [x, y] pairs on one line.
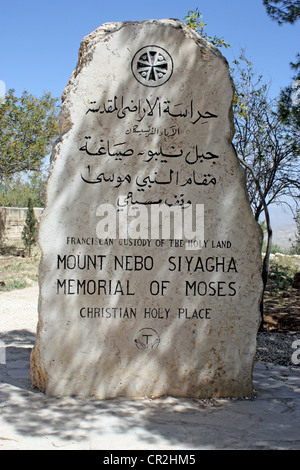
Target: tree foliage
[[288, 11], [30, 227], [289, 100], [16, 190], [263, 141], [283, 11], [28, 128], [267, 148], [194, 19]]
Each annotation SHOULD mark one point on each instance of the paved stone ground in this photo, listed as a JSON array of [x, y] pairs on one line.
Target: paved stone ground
[[31, 420]]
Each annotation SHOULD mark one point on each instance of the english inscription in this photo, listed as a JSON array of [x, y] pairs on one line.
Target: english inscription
[[150, 279]]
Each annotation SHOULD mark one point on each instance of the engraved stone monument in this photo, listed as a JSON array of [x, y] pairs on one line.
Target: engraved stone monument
[[150, 277]]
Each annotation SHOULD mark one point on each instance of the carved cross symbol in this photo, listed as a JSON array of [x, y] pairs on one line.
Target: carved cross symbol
[[152, 65]]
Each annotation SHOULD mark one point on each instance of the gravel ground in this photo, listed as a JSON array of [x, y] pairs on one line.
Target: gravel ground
[[276, 348]]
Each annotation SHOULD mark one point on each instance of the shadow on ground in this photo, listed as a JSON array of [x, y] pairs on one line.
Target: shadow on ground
[[265, 422]]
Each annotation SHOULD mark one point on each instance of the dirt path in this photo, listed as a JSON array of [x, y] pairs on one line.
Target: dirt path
[[282, 310], [18, 309]]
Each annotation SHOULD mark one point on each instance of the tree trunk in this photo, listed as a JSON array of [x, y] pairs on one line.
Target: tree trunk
[[266, 260]]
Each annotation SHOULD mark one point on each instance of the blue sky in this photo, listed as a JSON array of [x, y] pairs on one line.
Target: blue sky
[[39, 41]]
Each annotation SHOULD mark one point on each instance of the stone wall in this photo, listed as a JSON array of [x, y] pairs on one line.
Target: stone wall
[[12, 220]]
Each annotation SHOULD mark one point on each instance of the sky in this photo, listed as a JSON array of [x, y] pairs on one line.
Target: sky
[[39, 41]]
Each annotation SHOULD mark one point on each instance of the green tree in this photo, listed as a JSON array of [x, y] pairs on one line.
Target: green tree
[[16, 191], [194, 19], [30, 227], [28, 127], [269, 146], [268, 149], [288, 11], [289, 100], [283, 11]]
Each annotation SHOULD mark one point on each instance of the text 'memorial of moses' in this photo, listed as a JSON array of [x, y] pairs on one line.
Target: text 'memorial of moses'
[[150, 276]]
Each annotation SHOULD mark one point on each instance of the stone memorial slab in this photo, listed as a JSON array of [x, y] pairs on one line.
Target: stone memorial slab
[[150, 277]]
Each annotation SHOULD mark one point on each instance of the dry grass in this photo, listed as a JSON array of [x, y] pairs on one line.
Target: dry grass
[[16, 270]]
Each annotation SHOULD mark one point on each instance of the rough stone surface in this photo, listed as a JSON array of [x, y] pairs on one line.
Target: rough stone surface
[[146, 118]]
